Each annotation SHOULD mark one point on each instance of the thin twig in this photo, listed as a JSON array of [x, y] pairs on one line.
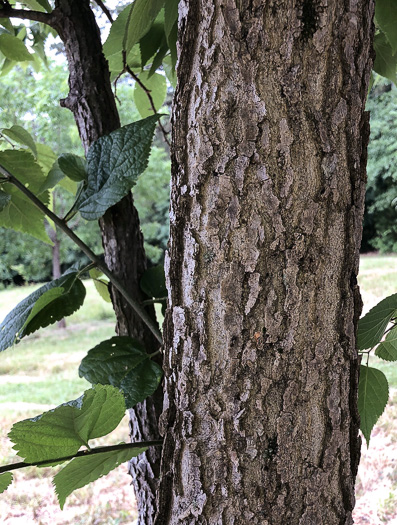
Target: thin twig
[[84, 248], [105, 10], [148, 94], [82, 453]]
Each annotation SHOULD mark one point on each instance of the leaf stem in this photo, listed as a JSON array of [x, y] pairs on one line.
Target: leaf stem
[[81, 453], [84, 248]]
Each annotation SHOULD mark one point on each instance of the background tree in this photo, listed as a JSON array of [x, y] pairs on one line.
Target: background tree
[[267, 200], [380, 218]]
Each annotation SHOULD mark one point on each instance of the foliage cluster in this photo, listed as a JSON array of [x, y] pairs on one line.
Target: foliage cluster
[[380, 218]]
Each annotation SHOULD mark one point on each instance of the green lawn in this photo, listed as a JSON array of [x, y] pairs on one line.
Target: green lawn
[[41, 372]]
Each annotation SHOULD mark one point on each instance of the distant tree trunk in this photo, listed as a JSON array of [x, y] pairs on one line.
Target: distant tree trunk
[[56, 253], [269, 157], [92, 102]]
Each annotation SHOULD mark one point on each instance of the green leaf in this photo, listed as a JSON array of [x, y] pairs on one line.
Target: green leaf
[[387, 349], [62, 431], [123, 363], [4, 200], [55, 304], [13, 48], [150, 43], [5, 22], [83, 470], [5, 481], [55, 176], [157, 86], [38, 5], [73, 166], [45, 157], [24, 167], [141, 17], [21, 136], [386, 18], [372, 326], [12, 328], [385, 63], [169, 70], [157, 61], [153, 282], [101, 286], [373, 394], [22, 215], [114, 43], [170, 15], [114, 163]]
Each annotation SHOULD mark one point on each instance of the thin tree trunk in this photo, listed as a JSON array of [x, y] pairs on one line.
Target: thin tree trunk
[[269, 156], [56, 253], [92, 102]]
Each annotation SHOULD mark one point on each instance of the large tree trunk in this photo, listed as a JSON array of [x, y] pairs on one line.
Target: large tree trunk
[[269, 156], [92, 102]]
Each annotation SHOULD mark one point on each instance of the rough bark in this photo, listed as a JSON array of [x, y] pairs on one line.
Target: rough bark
[[269, 156], [93, 105]]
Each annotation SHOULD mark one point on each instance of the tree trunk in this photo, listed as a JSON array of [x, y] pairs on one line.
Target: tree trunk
[[269, 156], [92, 102], [56, 253]]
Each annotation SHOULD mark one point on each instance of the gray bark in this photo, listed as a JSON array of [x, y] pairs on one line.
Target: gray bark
[[269, 156], [92, 102]]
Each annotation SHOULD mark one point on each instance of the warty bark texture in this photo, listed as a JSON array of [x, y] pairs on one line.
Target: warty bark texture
[[269, 156], [93, 105]]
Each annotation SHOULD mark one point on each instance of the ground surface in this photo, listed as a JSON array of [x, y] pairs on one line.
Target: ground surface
[[41, 373]]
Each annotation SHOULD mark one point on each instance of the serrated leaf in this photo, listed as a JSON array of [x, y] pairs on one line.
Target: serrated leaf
[[385, 63], [386, 17], [114, 163], [4, 199], [123, 363], [83, 470], [62, 431], [141, 382], [45, 157], [5, 481], [157, 86], [13, 48], [11, 329], [170, 15], [21, 136], [114, 43], [55, 304], [101, 286], [73, 166], [387, 349], [141, 17], [23, 165], [372, 326], [153, 282], [373, 394]]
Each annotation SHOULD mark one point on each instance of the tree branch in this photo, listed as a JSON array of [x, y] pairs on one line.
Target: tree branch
[[84, 248], [105, 10], [82, 453], [37, 16], [148, 94]]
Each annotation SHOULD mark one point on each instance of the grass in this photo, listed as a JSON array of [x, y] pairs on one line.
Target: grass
[[36, 375], [41, 372]]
